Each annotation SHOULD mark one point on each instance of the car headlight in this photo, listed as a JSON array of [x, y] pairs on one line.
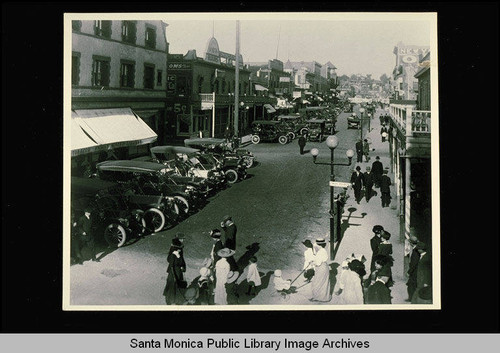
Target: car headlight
[[124, 221]]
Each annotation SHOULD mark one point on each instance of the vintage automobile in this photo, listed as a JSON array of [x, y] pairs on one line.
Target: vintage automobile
[[215, 146], [114, 215], [270, 131], [316, 129], [157, 179], [294, 124], [353, 121], [189, 162]]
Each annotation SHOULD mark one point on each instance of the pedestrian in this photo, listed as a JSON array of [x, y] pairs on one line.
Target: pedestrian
[[378, 292], [175, 275], [414, 257], [368, 178], [383, 132], [229, 240], [181, 237], [350, 288], [377, 171], [222, 275], [227, 134], [205, 286], [253, 276], [308, 260], [86, 231], [385, 191], [357, 181], [385, 249], [359, 151], [76, 242], [321, 280], [302, 143], [374, 243], [424, 267], [366, 150], [215, 234]]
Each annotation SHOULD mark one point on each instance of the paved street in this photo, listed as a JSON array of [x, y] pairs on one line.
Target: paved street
[[284, 201]]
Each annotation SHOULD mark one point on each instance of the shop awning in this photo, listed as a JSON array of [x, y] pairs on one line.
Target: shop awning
[[260, 88], [81, 142], [269, 108], [112, 128]]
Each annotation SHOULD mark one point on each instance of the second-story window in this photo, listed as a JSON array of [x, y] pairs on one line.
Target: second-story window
[[150, 37], [129, 31], [200, 84], [127, 74], [102, 28], [75, 69], [159, 77], [100, 71], [149, 76]]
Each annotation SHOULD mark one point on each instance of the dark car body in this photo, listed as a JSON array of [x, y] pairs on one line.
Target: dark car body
[[156, 179], [316, 129], [353, 122], [269, 131], [294, 124], [223, 151], [112, 214]]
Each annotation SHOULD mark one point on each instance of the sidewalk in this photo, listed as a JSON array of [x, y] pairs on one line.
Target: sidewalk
[[359, 221]]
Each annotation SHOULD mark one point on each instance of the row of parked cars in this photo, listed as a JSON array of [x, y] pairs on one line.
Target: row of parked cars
[[287, 127], [144, 195]]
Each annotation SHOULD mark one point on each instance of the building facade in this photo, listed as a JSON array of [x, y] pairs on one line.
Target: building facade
[[407, 58], [118, 67]]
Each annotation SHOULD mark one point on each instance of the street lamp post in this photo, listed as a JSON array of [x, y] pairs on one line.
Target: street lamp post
[[361, 117], [332, 142]]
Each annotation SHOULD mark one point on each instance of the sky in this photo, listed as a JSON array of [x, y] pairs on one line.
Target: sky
[[356, 43]]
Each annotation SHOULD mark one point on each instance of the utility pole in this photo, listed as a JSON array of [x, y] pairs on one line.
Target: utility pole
[[237, 81]]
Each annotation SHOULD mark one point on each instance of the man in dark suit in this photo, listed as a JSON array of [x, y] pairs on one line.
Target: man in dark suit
[[385, 191], [377, 171], [368, 183], [230, 239], [424, 267], [411, 284], [374, 243], [383, 131], [84, 226], [357, 181], [215, 234], [359, 151], [302, 143]]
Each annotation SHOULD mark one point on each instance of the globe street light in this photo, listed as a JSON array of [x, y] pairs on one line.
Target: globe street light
[[332, 142]]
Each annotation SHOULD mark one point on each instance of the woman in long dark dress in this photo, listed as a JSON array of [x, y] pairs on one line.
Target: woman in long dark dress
[[175, 275]]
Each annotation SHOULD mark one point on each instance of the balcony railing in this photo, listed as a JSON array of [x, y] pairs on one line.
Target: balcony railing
[[208, 98], [410, 121]]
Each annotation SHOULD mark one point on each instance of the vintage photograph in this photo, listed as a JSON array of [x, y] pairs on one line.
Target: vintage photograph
[[251, 161]]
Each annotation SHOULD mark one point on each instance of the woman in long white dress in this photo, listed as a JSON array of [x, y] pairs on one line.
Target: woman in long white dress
[[350, 288], [321, 280], [222, 270]]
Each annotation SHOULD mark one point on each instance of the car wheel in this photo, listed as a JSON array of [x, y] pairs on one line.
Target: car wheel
[[155, 219], [255, 139], [283, 140], [183, 204], [248, 161], [115, 235], [292, 135], [304, 131], [231, 176]]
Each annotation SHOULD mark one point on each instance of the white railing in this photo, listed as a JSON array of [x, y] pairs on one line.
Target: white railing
[[411, 121]]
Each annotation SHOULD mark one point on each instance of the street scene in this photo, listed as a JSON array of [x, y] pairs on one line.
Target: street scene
[[205, 172]]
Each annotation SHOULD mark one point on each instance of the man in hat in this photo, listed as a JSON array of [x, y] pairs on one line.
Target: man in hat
[[302, 143], [85, 228], [385, 191], [357, 181], [181, 237], [374, 243], [377, 171], [359, 151], [222, 273], [414, 257], [230, 238], [424, 267], [368, 178], [383, 132]]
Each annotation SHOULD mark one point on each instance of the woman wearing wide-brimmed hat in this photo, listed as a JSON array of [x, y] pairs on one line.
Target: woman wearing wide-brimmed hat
[[223, 275], [321, 280], [175, 275], [349, 284]]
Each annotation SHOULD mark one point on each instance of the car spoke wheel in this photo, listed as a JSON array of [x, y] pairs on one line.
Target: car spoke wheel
[[155, 219], [115, 235], [304, 131], [292, 135], [283, 140], [231, 176], [255, 139], [248, 161], [182, 203]]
